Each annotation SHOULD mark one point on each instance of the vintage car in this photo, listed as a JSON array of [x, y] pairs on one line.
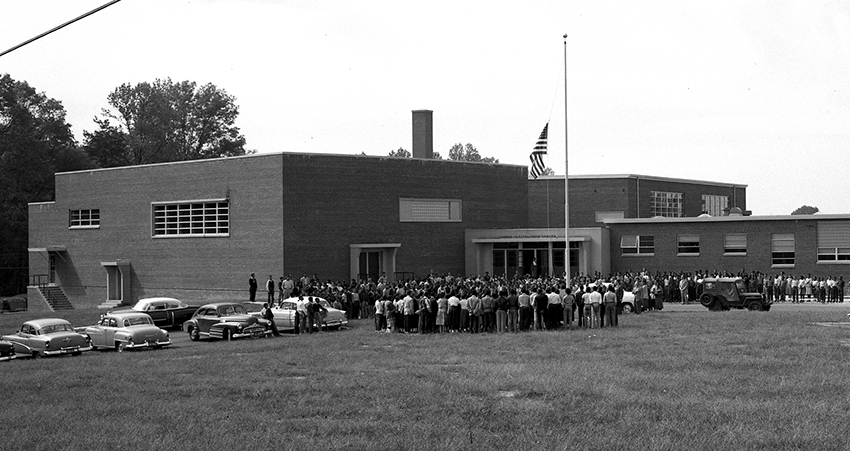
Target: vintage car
[[723, 293], [7, 351], [284, 314], [126, 330], [165, 312], [47, 337], [225, 321]]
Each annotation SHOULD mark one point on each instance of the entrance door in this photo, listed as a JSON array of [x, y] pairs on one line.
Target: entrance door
[[52, 269], [535, 262], [370, 262]]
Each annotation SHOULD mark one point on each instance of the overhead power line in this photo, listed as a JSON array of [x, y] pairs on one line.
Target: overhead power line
[[60, 27]]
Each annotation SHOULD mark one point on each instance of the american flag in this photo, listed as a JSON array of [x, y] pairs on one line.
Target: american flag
[[537, 166]]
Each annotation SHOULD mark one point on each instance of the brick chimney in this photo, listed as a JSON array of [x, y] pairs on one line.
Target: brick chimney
[[423, 134]]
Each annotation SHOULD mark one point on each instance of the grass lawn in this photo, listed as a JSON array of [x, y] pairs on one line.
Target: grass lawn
[[671, 380]]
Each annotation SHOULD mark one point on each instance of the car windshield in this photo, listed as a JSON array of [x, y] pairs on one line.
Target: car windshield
[[231, 310], [137, 321], [55, 328], [324, 303]]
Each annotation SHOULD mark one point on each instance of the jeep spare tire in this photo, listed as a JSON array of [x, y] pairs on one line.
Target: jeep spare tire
[[706, 300]]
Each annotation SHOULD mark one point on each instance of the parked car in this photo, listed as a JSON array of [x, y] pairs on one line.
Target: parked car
[[627, 305], [284, 314], [14, 303], [126, 330], [165, 312], [723, 293], [225, 321], [47, 337], [7, 351]]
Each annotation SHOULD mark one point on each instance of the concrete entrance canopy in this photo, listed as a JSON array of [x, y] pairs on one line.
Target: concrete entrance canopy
[[387, 259], [592, 242]]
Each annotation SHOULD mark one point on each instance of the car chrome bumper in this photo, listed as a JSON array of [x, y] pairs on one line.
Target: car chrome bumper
[[257, 333], [7, 357], [148, 344], [64, 351]]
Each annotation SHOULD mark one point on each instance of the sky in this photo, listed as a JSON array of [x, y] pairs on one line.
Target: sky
[[754, 93]]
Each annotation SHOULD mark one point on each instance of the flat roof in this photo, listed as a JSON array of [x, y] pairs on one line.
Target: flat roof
[[662, 220], [640, 177], [276, 154]]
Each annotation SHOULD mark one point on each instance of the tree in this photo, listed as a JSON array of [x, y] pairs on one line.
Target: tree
[[459, 152], [400, 153], [805, 210], [35, 142], [165, 121]]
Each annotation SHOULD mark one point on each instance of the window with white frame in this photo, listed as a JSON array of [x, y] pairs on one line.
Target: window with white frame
[[429, 210], [782, 249], [834, 242], [688, 245], [735, 244], [206, 218], [714, 205], [668, 205], [83, 219], [637, 245]]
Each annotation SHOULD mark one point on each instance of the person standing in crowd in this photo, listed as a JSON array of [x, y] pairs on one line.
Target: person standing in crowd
[[513, 310], [270, 288], [389, 312], [541, 304], [268, 315], [454, 312], [580, 305], [442, 311], [525, 313], [501, 307], [554, 310], [424, 313], [488, 311], [588, 308], [473, 304], [683, 289], [252, 288], [568, 302], [610, 304], [380, 319], [595, 302], [409, 312]]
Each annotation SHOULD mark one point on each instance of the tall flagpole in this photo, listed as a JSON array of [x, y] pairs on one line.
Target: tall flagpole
[[566, 174]]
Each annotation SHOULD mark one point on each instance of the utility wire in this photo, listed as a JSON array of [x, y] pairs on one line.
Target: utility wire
[[59, 27]]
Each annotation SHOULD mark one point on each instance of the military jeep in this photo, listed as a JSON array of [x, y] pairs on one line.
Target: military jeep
[[724, 293]]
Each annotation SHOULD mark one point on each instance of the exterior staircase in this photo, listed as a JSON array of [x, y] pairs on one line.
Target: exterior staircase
[[55, 298], [109, 305]]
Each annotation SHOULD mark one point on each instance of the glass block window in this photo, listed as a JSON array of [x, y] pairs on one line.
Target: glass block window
[[83, 219], [637, 245], [429, 210], [668, 205], [735, 244], [714, 205], [782, 249], [688, 244], [209, 218], [834, 254]]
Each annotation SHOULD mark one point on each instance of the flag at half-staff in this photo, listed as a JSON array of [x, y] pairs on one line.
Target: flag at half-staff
[[537, 165]]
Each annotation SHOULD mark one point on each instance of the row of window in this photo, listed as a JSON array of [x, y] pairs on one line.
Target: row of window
[[211, 218], [782, 247], [671, 205]]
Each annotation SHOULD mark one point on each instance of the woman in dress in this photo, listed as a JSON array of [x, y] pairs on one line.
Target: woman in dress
[[442, 309]]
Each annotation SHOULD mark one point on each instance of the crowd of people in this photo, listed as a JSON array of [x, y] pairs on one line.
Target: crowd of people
[[475, 304]]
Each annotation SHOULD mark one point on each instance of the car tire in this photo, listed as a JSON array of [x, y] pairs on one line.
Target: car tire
[[36, 355], [755, 306], [194, 335], [77, 354], [706, 300], [226, 335], [627, 308]]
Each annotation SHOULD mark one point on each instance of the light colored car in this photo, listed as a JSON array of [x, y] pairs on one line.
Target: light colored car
[[284, 314], [47, 337], [126, 330], [165, 312], [225, 321]]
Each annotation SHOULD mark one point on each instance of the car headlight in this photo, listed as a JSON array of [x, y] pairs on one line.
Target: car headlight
[[129, 340], [46, 344], [166, 335], [239, 327]]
